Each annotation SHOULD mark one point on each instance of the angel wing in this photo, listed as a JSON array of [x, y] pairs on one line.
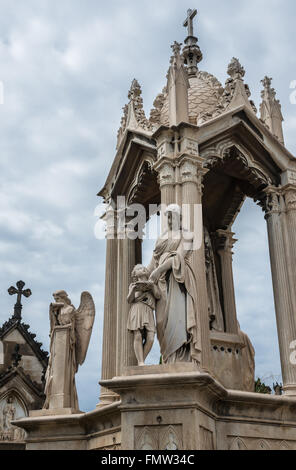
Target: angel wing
[[84, 320]]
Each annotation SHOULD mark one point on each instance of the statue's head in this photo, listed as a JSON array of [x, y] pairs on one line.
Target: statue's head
[[174, 217], [9, 399], [61, 296], [139, 271]]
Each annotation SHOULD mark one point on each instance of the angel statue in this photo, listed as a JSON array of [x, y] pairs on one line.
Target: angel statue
[[70, 331]]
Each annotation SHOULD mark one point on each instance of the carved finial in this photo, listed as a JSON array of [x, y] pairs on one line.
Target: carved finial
[[271, 111], [176, 47], [177, 88], [135, 90], [176, 59], [235, 70], [20, 292], [191, 52], [267, 92], [133, 113]]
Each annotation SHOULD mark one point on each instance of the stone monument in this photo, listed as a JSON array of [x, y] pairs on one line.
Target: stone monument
[[70, 332], [203, 150], [22, 367]]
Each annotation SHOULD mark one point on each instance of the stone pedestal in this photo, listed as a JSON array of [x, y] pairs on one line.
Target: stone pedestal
[[176, 407], [161, 407], [60, 390]]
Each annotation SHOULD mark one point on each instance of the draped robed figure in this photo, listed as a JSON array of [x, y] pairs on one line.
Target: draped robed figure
[[176, 311]]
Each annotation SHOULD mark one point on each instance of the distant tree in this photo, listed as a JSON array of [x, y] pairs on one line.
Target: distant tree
[[260, 387]]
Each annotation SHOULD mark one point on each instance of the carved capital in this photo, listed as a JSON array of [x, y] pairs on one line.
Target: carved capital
[[166, 172], [289, 194], [225, 241], [188, 171], [271, 203], [191, 171]]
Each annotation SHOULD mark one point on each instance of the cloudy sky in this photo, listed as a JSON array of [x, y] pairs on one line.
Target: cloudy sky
[[66, 67]]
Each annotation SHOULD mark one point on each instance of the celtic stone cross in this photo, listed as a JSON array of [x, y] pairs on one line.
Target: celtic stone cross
[[20, 292]]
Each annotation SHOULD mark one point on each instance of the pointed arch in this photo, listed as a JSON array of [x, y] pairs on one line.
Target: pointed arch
[[238, 444], [12, 391], [263, 445]]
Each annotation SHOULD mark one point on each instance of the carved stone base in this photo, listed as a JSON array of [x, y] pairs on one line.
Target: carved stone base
[[171, 407], [159, 407], [166, 409]]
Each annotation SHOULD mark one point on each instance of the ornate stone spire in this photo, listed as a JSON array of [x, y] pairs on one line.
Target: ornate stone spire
[[191, 51], [235, 70], [236, 92], [177, 88], [133, 113], [271, 111]]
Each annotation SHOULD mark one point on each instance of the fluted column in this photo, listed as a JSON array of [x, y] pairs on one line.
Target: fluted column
[[191, 173], [289, 197], [285, 314], [166, 178], [126, 262], [225, 242], [110, 308]]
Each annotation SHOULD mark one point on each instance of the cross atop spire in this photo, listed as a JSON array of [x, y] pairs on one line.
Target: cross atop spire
[[19, 291], [191, 52], [188, 23]]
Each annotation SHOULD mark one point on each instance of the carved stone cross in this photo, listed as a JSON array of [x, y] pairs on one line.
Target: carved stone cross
[[189, 21], [19, 291]]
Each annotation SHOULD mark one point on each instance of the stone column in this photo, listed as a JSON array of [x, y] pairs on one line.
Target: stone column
[[110, 308], [225, 242], [166, 178], [285, 315], [191, 173], [126, 262], [289, 197]]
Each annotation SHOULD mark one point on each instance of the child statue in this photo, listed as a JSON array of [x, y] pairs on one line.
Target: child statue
[[142, 296]]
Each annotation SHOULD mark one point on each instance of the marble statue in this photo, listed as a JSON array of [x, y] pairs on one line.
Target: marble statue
[[215, 311], [142, 296], [171, 269], [9, 411], [70, 331]]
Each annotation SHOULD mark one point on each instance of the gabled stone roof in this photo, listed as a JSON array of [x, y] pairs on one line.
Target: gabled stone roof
[[12, 372], [23, 328]]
